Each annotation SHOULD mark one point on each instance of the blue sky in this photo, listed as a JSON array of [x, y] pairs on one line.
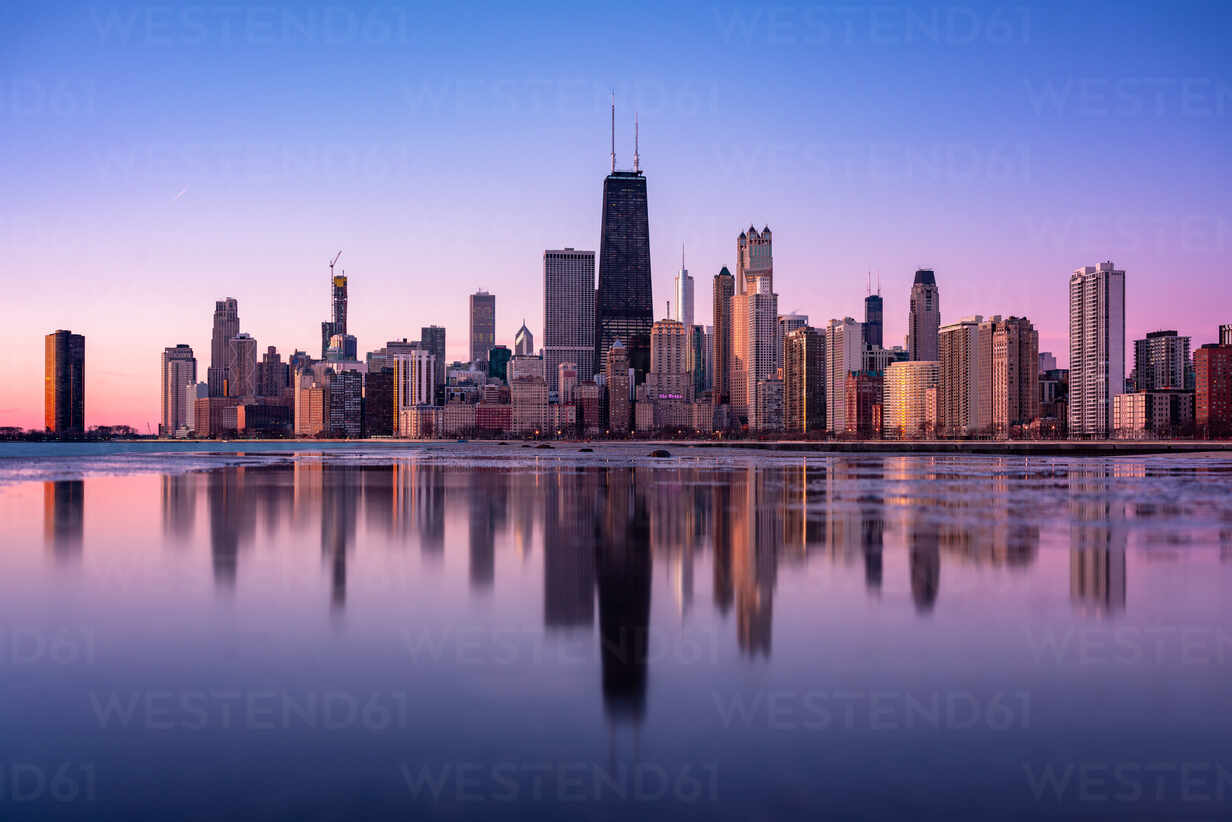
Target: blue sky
[[160, 156]]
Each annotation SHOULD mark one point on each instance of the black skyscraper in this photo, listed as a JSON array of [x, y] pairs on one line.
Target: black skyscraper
[[623, 304], [872, 320]]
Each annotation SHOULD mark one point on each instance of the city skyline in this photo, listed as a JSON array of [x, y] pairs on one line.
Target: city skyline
[[165, 220]]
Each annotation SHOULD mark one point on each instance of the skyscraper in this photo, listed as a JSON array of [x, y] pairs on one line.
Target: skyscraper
[[754, 335], [273, 375], [523, 341], [724, 290], [1225, 334], [617, 373], [64, 383], [844, 354], [1096, 347], [568, 313], [787, 323], [226, 326], [683, 301], [669, 384], [958, 386], [179, 371], [624, 306], [924, 319], [804, 380], [1161, 362], [483, 325], [1015, 374], [754, 260], [908, 411], [432, 337], [1213, 394], [241, 367], [872, 320]]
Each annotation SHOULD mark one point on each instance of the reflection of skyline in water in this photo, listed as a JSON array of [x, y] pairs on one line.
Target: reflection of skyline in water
[[749, 521]]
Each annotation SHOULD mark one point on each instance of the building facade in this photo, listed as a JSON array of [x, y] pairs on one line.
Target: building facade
[[754, 331], [724, 291], [482, 325], [1096, 347], [682, 302], [1213, 394], [924, 317], [64, 383], [568, 313], [179, 370], [619, 408], [1161, 362], [909, 399], [959, 386], [804, 380], [241, 367], [624, 304], [523, 341], [1015, 375], [226, 326], [844, 354]]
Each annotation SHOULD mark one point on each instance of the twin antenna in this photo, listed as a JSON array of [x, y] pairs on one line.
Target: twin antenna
[[636, 158]]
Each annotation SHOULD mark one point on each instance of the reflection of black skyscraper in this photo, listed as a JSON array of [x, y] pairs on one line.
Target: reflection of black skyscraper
[[924, 542], [232, 513], [624, 308], [488, 499], [621, 538], [64, 517], [179, 504], [872, 537], [339, 512]]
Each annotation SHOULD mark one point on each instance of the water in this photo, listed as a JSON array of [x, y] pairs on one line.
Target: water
[[455, 631]]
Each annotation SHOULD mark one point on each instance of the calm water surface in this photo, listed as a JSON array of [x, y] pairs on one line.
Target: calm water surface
[[462, 631]]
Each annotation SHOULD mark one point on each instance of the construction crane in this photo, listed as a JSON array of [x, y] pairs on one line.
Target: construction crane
[[331, 262]]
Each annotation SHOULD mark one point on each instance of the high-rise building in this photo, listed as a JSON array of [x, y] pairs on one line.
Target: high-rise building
[[844, 354], [567, 379], [345, 403], [682, 304], [432, 337], [337, 323], [873, 320], [525, 365], [754, 333], [864, 392], [1161, 362], [178, 373], [499, 357], [766, 408], [523, 341], [192, 393], [568, 313], [241, 366], [64, 383], [1096, 347], [414, 375], [787, 323], [483, 325], [624, 305], [273, 376], [1015, 374], [909, 398], [616, 373], [804, 380], [1213, 393], [379, 403], [1047, 361], [724, 290], [226, 326], [669, 386], [959, 387], [924, 319], [1225, 334], [528, 398], [698, 365], [754, 261]]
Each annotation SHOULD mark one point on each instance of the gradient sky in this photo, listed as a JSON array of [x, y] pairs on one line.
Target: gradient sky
[[159, 156]]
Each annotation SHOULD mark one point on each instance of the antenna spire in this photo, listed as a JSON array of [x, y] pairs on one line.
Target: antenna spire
[[682, 256], [636, 160], [613, 131]]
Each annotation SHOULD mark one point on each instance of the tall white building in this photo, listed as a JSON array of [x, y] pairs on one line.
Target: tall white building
[[568, 313], [682, 304], [844, 354], [1096, 347], [414, 381], [179, 372], [523, 341]]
